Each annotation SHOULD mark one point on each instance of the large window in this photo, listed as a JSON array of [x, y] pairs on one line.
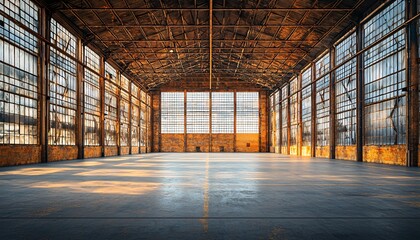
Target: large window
[[306, 107], [111, 105], [198, 112], [222, 112], [384, 69], [294, 112], [135, 115], [274, 119], [62, 88], [143, 124], [345, 88], [322, 66], [92, 103], [284, 115], [247, 112], [148, 124], [172, 112], [18, 74], [277, 117], [124, 111]]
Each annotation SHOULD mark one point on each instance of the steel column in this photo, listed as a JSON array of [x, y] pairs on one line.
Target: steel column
[[80, 101], [413, 86], [313, 112], [43, 104], [332, 105], [359, 94]]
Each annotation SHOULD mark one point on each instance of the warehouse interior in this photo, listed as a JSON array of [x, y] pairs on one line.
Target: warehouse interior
[[209, 119]]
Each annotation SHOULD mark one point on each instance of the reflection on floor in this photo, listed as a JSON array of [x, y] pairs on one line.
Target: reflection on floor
[[209, 196]]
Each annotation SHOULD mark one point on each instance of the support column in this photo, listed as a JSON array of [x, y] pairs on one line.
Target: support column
[[288, 119], [102, 107], [43, 104], [412, 86], [129, 117], [300, 126], [332, 104], [359, 95], [152, 121], [313, 111], [159, 119], [210, 121], [118, 114], [260, 119], [234, 120], [280, 109], [80, 101], [185, 120]]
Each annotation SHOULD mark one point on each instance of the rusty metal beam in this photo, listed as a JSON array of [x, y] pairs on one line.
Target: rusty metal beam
[[333, 117], [210, 45], [201, 40], [43, 85], [359, 95], [412, 72], [146, 9], [214, 26]]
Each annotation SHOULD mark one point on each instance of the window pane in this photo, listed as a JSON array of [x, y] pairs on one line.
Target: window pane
[[222, 112], [62, 79], [92, 104], [247, 112], [18, 74], [198, 112], [384, 69], [111, 111], [172, 112], [322, 67], [345, 89]]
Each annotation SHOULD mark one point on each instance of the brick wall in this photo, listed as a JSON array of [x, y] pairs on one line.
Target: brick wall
[[19, 154]]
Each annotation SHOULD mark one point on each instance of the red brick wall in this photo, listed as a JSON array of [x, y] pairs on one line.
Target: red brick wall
[[59, 153], [19, 154], [93, 152]]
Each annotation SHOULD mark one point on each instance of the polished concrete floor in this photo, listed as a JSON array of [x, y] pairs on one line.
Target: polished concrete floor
[[209, 196]]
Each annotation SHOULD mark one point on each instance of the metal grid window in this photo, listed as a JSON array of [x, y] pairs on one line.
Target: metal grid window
[[111, 73], [18, 74], [92, 109], [222, 112], [172, 113], [384, 22], [384, 69], [272, 121], [111, 106], [91, 59], [125, 83], [294, 111], [143, 125], [143, 97], [322, 67], [306, 107], [247, 112], [124, 118], [149, 130], [284, 113], [198, 112], [135, 116], [345, 89], [24, 11], [62, 88], [277, 117]]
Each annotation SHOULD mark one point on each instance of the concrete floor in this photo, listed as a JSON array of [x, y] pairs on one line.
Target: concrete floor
[[209, 196]]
